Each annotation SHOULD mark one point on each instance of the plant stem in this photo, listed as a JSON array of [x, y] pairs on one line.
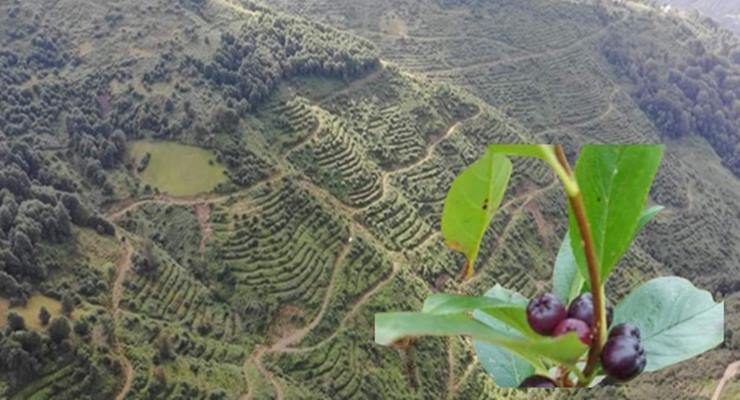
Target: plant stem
[[597, 290]]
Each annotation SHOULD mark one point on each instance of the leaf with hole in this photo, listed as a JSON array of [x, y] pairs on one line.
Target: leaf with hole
[[471, 202]]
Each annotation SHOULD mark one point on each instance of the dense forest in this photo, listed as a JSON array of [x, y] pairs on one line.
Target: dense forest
[[696, 92]]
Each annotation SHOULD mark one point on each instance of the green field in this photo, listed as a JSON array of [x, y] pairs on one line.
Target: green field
[[177, 169]]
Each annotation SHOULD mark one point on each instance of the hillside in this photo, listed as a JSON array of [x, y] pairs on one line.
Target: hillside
[[549, 65], [211, 199], [726, 13], [265, 284]]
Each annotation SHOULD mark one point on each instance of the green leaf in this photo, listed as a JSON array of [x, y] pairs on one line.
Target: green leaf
[[545, 152], [677, 321], [540, 151], [442, 303], [646, 216], [512, 313], [614, 181], [507, 296], [471, 202], [506, 368], [506, 306], [566, 280], [391, 327]]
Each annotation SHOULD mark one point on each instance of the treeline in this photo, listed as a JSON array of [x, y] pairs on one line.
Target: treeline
[[36, 206], [33, 108], [683, 92], [270, 48]]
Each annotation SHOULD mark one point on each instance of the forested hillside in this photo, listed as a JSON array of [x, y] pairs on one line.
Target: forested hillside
[[210, 199]]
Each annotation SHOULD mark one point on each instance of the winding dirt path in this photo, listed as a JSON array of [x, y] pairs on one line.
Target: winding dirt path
[[731, 372], [354, 310], [297, 335], [256, 359], [129, 205], [122, 267], [301, 333], [429, 151], [203, 214]]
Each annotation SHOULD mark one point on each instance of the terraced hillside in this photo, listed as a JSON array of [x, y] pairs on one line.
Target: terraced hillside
[[336, 164], [236, 293], [548, 65]]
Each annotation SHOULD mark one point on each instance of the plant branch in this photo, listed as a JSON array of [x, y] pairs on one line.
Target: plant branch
[[562, 170], [597, 290]]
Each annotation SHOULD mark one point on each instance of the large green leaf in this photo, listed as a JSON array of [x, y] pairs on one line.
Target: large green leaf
[[566, 280], [499, 303], [471, 202], [391, 327], [506, 368], [615, 181], [511, 312], [443, 303], [677, 321]]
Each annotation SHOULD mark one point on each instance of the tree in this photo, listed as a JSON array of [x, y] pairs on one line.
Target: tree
[[44, 316], [15, 322], [68, 304], [164, 347], [59, 329], [76, 210], [63, 221], [81, 328]]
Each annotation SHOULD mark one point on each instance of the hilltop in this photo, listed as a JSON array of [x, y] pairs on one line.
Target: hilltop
[[725, 13]]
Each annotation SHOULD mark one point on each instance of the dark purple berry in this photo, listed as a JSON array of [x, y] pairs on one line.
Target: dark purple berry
[[574, 325], [544, 313], [538, 381], [623, 358], [625, 329], [582, 307]]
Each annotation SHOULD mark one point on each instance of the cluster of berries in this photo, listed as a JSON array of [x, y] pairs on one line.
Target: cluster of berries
[[622, 357]]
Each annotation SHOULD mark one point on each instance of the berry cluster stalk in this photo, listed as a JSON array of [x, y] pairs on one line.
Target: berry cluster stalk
[[597, 290]]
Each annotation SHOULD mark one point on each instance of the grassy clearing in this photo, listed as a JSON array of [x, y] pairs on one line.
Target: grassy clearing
[[177, 169], [98, 250], [30, 312]]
